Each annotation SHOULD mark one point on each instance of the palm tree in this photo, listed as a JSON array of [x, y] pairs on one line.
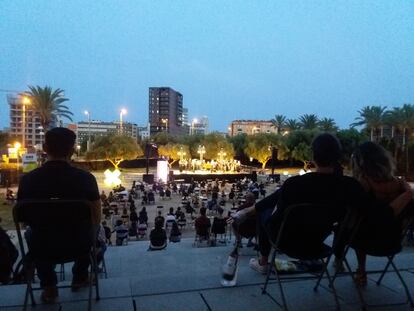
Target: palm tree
[[327, 125], [48, 104], [372, 117], [292, 124], [279, 122], [308, 121]]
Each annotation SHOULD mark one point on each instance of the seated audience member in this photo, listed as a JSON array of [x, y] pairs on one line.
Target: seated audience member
[[373, 167], [10, 196], [178, 213], [324, 186], [133, 217], [202, 225], [171, 211], [160, 219], [108, 233], [143, 216], [158, 236], [175, 234], [151, 197], [142, 229], [168, 193], [125, 216], [219, 224], [58, 179], [121, 232], [170, 219]]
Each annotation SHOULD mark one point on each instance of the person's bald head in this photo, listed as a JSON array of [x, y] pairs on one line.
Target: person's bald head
[[250, 198]]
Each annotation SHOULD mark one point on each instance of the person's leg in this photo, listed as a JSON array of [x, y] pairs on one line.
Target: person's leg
[[48, 280], [46, 273], [80, 269], [361, 274]]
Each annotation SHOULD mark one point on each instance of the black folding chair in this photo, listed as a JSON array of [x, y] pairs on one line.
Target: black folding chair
[[301, 236], [406, 220], [66, 238]]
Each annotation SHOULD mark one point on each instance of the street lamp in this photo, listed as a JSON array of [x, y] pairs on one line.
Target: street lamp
[[181, 153], [165, 121], [221, 154], [78, 147], [88, 144], [201, 151], [273, 151], [17, 147], [25, 101], [123, 112]]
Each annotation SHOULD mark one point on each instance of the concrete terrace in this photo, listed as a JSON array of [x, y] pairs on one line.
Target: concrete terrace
[[185, 278]]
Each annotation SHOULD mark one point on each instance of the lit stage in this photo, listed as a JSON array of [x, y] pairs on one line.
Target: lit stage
[[201, 175]]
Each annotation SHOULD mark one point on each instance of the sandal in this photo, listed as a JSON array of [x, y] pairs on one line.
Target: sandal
[[360, 278]]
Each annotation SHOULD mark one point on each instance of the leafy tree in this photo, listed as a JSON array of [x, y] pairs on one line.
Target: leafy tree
[[327, 125], [115, 149], [163, 138], [303, 153], [372, 118], [258, 147], [4, 140], [239, 143], [279, 122], [213, 143], [171, 151], [48, 104], [350, 139], [292, 125], [308, 121]]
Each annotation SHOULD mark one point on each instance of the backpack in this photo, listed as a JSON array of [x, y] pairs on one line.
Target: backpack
[[8, 256]]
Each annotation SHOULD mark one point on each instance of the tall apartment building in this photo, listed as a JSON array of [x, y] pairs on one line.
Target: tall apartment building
[[24, 120], [251, 127], [165, 108], [99, 128]]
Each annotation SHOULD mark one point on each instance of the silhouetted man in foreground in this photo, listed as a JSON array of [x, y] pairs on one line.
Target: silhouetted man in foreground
[[58, 179]]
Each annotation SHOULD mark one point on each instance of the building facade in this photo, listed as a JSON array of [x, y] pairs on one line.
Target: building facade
[[199, 126], [165, 108], [99, 128], [250, 127], [144, 132], [25, 126]]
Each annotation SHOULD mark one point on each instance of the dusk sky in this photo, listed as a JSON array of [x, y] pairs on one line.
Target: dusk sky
[[230, 59]]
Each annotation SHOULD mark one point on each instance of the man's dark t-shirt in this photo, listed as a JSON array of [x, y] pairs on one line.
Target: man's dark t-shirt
[[58, 179]]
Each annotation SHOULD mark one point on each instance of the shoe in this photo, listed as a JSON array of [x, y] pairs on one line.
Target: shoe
[[78, 284], [360, 278], [49, 294], [230, 267], [255, 265]]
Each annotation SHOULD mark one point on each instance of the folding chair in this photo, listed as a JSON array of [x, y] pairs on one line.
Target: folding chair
[[56, 242], [219, 227], [301, 236], [406, 220]]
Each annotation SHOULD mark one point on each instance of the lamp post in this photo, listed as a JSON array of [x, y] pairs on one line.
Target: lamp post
[[201, 151], [25, 101], [123, 111], [165, 121], [273, 151], [17, 146], [88, 144], [78, 147]]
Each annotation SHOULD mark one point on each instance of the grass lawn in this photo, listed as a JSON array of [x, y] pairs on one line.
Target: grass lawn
[[5, 213]]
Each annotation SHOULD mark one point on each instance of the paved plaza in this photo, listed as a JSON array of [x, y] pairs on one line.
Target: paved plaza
[[185, 278]]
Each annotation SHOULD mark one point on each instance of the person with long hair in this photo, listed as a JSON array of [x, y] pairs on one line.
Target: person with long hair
[[374, 167]]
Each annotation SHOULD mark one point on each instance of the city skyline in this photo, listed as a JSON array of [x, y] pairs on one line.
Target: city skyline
[[244, 61]]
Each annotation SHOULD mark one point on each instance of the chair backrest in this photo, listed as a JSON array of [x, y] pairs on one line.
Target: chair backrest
[[305, 227], [219, 226], [60, 230]]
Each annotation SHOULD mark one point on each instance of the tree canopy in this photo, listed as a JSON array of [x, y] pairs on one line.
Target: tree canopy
[[171, 152], [115, 149]]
